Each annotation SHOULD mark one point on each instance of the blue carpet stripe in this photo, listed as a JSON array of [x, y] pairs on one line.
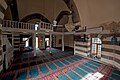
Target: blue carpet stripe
[[34, 73], [79, 58], [116, 71], [59, 64], [73, 75], [81, 72], [63, 77], [75, 59], [94, 63], [91, 66], [70, 60], [22, 75], [65, 62], [86, 69], [52, 66], [114, 76], [44, 69]]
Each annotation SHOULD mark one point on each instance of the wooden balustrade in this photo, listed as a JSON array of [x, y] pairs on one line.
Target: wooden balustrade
[[18, 25], [28, 26], [45, 26]]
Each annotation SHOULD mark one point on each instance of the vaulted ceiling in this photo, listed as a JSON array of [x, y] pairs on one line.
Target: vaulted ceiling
[[90, 13], [20, 7]]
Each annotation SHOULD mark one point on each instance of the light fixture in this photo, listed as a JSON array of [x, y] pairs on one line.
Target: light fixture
[[69, 25]]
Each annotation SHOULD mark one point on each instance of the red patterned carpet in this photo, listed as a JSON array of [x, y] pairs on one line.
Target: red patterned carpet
[[60, 66]]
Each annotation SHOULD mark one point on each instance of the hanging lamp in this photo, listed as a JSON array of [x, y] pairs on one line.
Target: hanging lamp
[[70, 25]]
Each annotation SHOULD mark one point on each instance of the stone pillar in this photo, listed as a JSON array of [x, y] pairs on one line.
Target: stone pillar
[[74, 47], [39, 41], [62, 42], [34, 43], [50, 42]]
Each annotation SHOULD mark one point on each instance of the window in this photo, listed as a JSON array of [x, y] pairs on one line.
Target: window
[[47, 41], [96, 47]]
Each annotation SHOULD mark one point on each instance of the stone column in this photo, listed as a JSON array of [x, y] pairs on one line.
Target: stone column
[[34, 43], [50, 42], [74, 47], [62, 42]]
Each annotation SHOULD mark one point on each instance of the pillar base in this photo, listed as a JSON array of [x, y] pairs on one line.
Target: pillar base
[[34, 51]]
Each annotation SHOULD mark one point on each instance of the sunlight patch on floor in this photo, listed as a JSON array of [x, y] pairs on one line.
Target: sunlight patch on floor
[[94, 76]]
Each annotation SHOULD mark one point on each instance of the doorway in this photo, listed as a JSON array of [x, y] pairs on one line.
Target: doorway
[[47, 42], [96, 44], [26, 41]]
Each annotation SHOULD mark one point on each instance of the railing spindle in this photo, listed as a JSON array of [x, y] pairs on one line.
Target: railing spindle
[[18, 25], [7, 24], [10, 24], [45, 26], [24, 26], [41, 25], [13, 25], [4, 23], [30, 26], [27, 25]]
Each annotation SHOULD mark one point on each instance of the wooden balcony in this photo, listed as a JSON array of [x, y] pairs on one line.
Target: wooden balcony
[[15, 26]]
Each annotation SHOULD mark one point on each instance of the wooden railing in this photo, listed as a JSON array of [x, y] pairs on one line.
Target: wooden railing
[[27, 26], [18, 25], [45, 26]]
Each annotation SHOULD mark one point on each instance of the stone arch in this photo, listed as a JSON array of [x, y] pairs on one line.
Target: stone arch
[[35, 16], [61, 14]]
